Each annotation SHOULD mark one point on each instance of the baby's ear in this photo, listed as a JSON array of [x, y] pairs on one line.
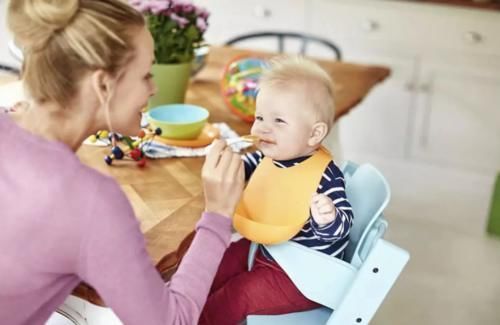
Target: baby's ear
[[318, 133]]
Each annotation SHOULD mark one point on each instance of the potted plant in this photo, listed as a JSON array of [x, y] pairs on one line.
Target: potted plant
[[177, 27]]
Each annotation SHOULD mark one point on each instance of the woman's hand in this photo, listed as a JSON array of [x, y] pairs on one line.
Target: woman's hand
[[223, 179]]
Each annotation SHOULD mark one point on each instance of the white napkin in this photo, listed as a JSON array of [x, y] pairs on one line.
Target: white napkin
[[154, 149]]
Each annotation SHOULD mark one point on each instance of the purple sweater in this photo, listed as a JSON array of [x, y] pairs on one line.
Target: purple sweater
[[62, 222]]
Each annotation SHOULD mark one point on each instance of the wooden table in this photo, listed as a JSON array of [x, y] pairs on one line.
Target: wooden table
[[167, 194]]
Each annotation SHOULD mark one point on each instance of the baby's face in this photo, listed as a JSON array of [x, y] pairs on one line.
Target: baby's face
[[283, 122]]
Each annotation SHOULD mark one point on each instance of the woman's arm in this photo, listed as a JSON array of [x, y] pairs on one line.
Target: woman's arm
[[113, 258]]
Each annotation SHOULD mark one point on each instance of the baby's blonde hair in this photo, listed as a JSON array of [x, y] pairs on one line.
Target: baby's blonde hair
[[297, 71], [64, 39]]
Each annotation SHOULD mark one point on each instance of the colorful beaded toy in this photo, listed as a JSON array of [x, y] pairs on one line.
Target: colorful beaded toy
[[239, 85], [134, 149]]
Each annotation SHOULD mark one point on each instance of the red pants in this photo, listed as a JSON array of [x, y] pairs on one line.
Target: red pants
[[236, 293]]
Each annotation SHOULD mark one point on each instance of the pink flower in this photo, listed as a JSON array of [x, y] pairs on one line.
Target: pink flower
[[187, 8], [139, 5], [158, 6], [202, 12], [201, 24], [167, 12], [180, 2], [181, 21], [150, 6], [177, 8]]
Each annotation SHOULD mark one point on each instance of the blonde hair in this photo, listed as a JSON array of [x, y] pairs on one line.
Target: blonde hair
[[64, 39], [310, 77]]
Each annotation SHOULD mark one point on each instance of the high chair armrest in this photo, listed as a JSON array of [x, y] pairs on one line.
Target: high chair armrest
[[368, 240]]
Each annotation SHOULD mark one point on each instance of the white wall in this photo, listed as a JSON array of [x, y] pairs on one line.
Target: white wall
[[5, 36]]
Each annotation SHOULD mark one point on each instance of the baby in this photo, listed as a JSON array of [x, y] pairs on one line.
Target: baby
[[294, 113]]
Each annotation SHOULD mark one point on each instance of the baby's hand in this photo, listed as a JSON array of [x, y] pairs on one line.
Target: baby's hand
[[322, 209]]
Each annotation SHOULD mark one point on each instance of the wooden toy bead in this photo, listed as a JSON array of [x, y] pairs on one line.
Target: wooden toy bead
[[136, 154], [136, 144], [108, 160], [117, 152], [142, 162], [104, 134]]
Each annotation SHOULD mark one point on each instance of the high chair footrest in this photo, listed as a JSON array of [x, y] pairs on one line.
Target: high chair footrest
[[373, 281]]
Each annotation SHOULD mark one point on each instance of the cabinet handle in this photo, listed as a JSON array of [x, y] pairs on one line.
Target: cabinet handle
[[472, 37], [410, 86], [262, 12], [369, 25], [424, 88]]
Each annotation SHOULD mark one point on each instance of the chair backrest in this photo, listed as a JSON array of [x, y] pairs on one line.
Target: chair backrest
[[304, 39], [369, 193]]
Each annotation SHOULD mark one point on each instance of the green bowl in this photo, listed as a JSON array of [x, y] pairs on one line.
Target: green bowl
[[178, 121]]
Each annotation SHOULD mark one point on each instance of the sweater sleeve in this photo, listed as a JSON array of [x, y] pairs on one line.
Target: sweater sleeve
[[113, 259], [332, 184]]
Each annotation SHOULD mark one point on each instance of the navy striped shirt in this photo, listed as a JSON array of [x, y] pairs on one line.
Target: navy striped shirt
[[333, 237]]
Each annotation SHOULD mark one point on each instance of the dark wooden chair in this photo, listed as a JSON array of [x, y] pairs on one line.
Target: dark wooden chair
[[282, 37]]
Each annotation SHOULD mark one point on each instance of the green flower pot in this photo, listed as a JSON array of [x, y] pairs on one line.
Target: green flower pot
[[171, 81]]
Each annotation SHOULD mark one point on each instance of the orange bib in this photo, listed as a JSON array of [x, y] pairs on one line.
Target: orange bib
[[275, 203]]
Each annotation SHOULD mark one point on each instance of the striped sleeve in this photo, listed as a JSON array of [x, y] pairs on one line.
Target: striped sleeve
[[332, 184], [250, 161]]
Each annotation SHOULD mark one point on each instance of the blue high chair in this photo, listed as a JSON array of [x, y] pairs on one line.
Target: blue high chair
[[351, 290]]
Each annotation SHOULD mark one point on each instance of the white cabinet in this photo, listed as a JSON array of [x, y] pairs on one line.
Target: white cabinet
[[442, 103], [457, 121], [231, 18]]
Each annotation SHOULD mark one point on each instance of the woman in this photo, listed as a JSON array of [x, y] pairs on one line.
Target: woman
[[87, 67]]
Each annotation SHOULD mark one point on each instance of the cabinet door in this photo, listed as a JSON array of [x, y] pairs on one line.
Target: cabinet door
[[230, 18], [366, 34], [379, 124], [458, 114]]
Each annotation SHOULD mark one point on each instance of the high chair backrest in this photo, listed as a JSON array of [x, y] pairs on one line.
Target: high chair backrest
[[368, 192]]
